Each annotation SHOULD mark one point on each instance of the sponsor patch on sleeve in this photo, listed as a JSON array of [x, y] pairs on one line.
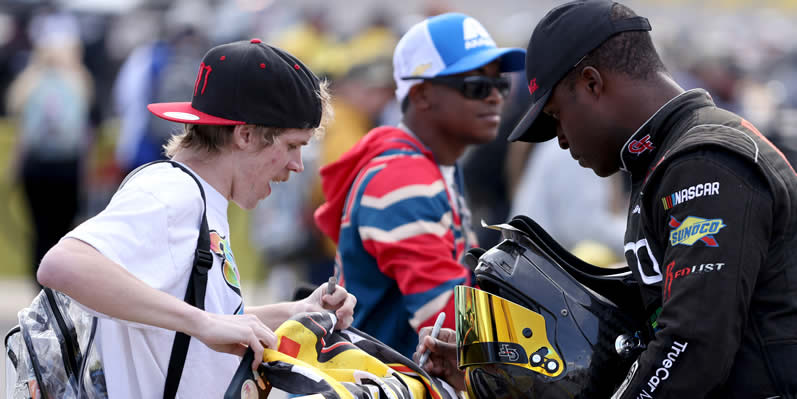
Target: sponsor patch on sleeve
[[693, 229], [671, 274], [662, 374], [657, 376], [690, 193]]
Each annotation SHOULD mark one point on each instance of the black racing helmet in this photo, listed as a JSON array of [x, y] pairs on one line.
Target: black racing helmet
[[545, 324]]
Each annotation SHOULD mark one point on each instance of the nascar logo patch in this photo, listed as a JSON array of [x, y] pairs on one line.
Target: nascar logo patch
[[692, 229], [687, 194]]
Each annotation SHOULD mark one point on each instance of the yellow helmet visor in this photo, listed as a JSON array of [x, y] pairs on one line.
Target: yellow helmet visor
[[491, 329]]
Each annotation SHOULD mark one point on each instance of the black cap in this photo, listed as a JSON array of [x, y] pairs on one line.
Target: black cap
[[561, 39], [249, 82]]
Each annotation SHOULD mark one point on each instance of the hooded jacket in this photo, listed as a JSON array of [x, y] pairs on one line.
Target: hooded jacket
[[400, 235]]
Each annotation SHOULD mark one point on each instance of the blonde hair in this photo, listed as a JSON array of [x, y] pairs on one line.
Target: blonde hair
[[212, 139]]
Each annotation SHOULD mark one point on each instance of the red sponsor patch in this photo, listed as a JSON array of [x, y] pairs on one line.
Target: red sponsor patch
[[289, 346], [668, 281], [641, 145], [672, 275]]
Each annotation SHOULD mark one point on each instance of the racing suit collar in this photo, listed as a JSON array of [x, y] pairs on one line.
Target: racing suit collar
[[642, 147]]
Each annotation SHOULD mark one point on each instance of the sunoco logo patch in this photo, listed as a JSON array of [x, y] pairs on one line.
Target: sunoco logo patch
[[693, 229]]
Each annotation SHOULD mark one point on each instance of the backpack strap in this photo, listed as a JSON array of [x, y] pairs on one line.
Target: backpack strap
[[194, 294]]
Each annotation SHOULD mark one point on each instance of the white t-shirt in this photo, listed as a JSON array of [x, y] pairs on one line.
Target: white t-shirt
[[150, 228]]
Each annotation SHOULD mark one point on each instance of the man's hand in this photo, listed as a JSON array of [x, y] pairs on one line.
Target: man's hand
[[339, 301], [234, 333], [442, 361]]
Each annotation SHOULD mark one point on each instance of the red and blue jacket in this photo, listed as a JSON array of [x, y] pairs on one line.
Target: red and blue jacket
[[400, 235]]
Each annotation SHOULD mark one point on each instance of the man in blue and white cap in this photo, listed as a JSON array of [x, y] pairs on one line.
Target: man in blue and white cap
[[394, 201]]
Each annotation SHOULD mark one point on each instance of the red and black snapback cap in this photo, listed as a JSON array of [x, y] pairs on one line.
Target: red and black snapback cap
[[563, 37], [249, 82]]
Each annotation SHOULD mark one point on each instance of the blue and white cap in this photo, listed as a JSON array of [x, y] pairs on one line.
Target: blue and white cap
[[447, 44]]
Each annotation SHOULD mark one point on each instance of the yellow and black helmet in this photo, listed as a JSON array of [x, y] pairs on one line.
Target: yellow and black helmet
[[544, 324]]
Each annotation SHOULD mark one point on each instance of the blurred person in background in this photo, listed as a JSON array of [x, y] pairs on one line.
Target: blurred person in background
[[489, 168], [578, 209], [50, 101], [15, 48], [783, 122], [395, 204], [360, 98], [311, 38], [157, 71], [369, 53], [720, 75], [372, 42]]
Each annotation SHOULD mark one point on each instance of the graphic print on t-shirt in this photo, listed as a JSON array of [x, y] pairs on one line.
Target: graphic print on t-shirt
[[229, 269]]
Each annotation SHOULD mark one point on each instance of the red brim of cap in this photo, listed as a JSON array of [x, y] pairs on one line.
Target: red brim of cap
[[184, 113]]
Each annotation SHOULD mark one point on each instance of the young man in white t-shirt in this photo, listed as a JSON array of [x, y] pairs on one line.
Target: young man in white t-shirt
[[253, 108]]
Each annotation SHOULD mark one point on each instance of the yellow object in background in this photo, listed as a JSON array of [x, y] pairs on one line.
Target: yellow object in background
[[597, 254]]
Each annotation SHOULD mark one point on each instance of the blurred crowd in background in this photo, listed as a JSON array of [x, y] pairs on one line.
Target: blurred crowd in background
[[76, 76]]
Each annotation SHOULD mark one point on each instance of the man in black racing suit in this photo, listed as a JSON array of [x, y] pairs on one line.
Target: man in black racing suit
[[712, 223], [710, 238]]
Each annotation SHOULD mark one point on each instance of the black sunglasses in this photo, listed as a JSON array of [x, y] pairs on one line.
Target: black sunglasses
[[474, 87]]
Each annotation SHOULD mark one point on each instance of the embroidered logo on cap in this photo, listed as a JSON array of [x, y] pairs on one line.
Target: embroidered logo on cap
[[475, 35], [533, 86], [203, 75], [420, 69]]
